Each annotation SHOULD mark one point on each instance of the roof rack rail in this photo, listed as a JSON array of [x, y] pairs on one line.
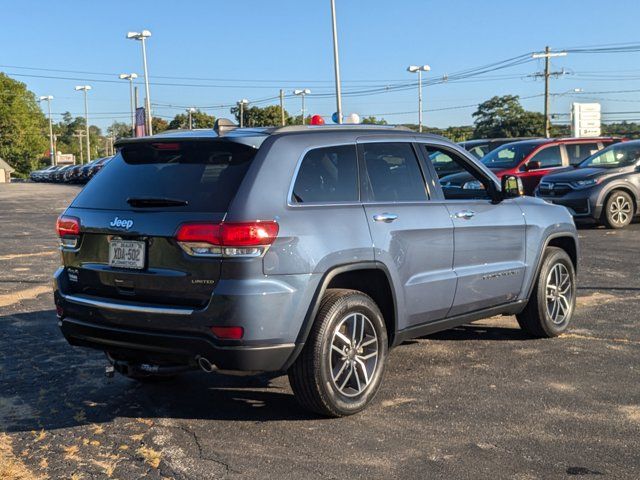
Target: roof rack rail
[[348, 126], [223, 125]]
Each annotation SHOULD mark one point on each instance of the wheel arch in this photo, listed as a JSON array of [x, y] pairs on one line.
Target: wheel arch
[[625, 187], [371, 278], [564, 240]]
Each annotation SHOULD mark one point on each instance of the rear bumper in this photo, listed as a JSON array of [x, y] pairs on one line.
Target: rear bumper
[[270, 311], [174, 347]]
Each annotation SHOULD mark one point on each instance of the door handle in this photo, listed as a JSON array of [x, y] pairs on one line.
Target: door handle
[[385, 217], [464, 214]]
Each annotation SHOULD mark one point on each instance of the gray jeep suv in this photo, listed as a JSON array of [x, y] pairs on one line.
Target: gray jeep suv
[[307, 250]]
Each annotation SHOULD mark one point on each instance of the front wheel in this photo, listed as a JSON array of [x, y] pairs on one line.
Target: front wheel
[[552, 303], [341, 366]]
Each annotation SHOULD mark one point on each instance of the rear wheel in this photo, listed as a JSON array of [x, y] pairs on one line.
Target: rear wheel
[[341, 366], [619, 210], [552, 303]]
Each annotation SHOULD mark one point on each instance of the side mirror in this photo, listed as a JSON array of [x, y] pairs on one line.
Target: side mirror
[[512, 187], [533, 165]]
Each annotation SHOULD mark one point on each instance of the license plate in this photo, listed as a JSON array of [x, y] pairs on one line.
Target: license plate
[[126, 254]]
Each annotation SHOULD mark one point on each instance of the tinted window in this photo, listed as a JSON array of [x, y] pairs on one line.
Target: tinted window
[[479, 151], [579, 151], [327, 175], [508, 155], [199, 176], [549, 157], [467, 183], [618, 155], [443, 163], [393, 172]]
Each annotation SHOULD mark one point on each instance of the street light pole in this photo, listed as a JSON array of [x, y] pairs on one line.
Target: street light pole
[[52, 153], [142, 36], [336, 61], [242, 103], [131, 77], [191, 110], [85, 89], [419, 69], [302, 93]]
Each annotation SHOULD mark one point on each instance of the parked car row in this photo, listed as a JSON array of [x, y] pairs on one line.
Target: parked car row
[[596, 179], [69, 173]]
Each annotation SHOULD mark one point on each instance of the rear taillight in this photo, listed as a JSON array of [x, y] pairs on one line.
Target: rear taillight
[[68, 229], [67, 226], [245, 239], [228, 333]]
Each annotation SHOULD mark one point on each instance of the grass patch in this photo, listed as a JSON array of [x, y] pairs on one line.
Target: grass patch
[[12, 468]]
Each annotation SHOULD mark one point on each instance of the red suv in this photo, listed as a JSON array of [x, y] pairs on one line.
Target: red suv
[[533, 159]]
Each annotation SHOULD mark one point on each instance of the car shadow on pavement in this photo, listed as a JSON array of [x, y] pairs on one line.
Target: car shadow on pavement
[[480, 332], [47, 384]]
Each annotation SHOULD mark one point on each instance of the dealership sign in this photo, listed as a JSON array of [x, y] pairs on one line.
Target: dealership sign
[[585, 120]]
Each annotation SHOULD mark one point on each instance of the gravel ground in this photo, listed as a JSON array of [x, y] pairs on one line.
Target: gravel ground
[[480, 401]]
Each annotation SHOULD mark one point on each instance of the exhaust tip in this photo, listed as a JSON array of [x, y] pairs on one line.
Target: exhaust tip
[[205, 364]]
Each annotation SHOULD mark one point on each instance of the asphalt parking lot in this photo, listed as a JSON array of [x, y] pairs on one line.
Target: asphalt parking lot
[[480, 401]]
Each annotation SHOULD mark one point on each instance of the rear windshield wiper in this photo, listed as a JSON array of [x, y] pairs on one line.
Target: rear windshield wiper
[[156, 202]]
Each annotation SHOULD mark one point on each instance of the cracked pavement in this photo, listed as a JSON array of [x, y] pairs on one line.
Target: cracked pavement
[[480, 401]]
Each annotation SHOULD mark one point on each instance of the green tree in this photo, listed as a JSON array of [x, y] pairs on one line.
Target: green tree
[[371, 120], [23, 127], [622, 129], [458, 134], [505, 117], [119, 130], [67, 141], [159, 125], [199, 119], [268, 116]]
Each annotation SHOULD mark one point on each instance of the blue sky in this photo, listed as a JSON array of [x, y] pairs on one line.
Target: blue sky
[[250, 49]]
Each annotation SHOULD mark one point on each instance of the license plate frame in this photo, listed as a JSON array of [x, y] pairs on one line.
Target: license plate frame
[[132, 256]]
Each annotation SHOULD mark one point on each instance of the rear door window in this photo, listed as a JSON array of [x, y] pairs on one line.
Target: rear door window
[[327, 175], [195, 176], [577, 152], [393, 173]]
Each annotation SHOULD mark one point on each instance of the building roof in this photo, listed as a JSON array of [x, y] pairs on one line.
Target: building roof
[[5, 166]]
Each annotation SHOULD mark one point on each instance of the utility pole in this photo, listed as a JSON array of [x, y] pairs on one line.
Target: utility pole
[[546, 75], [79, 135], [241, 104], [282, 121]]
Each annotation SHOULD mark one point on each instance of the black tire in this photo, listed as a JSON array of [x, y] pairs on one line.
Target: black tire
[[312, 377], [537, 317], [619, 210]]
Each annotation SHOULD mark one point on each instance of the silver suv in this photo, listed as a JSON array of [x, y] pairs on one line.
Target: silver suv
[[307, 250]]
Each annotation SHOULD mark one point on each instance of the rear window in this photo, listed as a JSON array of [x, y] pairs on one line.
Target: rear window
[[195, 176]]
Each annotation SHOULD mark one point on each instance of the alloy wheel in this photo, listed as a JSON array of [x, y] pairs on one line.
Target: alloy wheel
[[559, 293], [354, 354], [620, 210]]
